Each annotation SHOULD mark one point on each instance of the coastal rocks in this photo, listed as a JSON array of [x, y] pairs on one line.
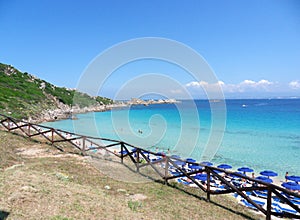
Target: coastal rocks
[[122, 191], [29, 189], [135, 101], [107, 187], [9, 70], [63, 111]]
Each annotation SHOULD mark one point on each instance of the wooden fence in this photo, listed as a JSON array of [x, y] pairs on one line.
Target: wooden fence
[[136, 154]]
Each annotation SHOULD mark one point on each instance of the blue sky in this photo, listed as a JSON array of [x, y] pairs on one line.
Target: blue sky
[[253, 47]]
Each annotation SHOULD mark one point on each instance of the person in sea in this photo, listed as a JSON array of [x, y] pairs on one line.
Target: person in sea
[[286, 175], [253, 183]]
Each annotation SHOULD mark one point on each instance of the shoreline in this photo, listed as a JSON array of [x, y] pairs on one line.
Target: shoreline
[[277, 180], [66, 112]]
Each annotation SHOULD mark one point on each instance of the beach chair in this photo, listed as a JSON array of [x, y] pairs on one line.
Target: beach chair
[[247, 204], [285, 208], [179, 180], [260, 194], [175, 173], [296, 202]]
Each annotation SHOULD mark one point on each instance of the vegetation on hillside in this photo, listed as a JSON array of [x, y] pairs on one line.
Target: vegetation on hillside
[[23, 95]]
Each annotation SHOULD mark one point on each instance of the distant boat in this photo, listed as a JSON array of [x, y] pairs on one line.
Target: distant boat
[[244, 106]]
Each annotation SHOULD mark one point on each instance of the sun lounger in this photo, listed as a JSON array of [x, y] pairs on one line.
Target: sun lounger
[[257, 200], [260, 194], [176, 173], [247, 204], [296, 202], [285, 208], [179, 180]]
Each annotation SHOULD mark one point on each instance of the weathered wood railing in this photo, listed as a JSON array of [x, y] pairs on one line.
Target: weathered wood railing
[[135, 154]]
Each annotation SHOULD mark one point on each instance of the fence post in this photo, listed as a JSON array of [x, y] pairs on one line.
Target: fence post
[[83, 146], [166, 169], [122, 149], [29, 128], [208, 184], [52, 136], [269, 204], [138, 160]]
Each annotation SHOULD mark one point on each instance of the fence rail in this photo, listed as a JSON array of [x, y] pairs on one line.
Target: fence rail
[[273, 194]]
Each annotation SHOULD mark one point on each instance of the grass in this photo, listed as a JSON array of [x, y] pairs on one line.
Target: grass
[[55, 185], [134, 205]]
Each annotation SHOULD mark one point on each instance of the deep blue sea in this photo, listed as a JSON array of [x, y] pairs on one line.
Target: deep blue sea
[[259, 133]]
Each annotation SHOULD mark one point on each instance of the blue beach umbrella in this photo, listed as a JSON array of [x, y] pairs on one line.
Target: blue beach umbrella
[[264, 179], [293, 178], [268, 173], [190, 160], [291, 185], [206, 163], [196, 167], [245, 169], [201, 177], [224, 166]]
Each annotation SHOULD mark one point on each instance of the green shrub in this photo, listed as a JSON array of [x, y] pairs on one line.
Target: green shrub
[[23, 95]]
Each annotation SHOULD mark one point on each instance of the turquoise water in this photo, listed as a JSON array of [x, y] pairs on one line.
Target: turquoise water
[[261, 134]]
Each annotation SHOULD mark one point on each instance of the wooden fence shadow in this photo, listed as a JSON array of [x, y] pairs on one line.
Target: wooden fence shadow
[[3, 215]]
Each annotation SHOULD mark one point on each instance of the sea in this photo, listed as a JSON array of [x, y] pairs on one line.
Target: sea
[[263, 134]]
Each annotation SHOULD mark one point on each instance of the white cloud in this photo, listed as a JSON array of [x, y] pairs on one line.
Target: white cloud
[[203, 84], [264, 82], [244, 86], [262, 85], [248, 82], [196, 84], [254, 84], [294, 84]]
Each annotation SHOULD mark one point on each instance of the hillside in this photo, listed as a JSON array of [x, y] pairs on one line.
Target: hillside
[[40, 182], [24, 96]]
